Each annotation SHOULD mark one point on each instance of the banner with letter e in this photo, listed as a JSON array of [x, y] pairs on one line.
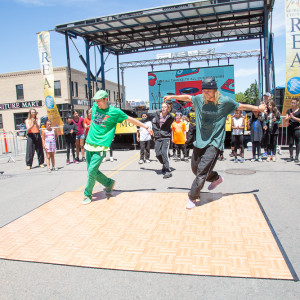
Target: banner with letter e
[[292, 23], [48, 79]]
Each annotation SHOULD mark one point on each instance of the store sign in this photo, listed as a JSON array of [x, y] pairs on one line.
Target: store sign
[[82, 102], [17, 105]]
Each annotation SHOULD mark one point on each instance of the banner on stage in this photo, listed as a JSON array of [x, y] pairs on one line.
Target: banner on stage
[[48, 79], [292, 25]]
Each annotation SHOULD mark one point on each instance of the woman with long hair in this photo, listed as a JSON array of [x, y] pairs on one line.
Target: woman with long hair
[[273, 122], [293, 119], [34, 140]]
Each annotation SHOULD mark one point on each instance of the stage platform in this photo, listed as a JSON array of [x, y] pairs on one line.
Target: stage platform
[[225, 235]]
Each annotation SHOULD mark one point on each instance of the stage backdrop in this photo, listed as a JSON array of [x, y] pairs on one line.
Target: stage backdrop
[[187, 81], [292, 25]]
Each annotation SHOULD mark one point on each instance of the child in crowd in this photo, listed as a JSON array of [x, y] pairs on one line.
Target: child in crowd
[[191, 134], [256, 124], [237, 126], [179, 136], [87, 122], [144, 138], [70, 130], [49, 137]]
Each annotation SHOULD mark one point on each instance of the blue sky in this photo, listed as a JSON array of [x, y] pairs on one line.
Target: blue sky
[[20, 20]]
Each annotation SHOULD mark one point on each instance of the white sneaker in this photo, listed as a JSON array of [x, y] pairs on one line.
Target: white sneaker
[[111, 159], [141, 161], [147, 161], [190, 204], [104, 159]]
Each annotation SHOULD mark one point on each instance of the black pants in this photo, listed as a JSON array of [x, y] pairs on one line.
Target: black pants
[[161, 151], [180, 148], [203, 162], [34, 143], [256, 148], [238, 142], [70, 145], [145, 150], [294, 136], [190, 138], [272, 143]]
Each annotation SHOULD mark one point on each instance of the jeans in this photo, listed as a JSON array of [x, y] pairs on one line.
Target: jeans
[[256, 147], [70, 146], [145, 150], [93, 161], [203, 162], [162, 151]]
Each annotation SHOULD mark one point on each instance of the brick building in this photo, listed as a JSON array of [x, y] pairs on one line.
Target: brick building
[[20, 91]]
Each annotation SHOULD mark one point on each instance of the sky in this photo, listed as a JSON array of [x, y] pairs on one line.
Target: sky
[[20, 20]]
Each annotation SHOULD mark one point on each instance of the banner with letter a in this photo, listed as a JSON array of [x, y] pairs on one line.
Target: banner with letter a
[[48, 79], [292, 23]]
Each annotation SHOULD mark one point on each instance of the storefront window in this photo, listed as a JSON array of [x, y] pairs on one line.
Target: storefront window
[[20, 119], [20, 93], [57, 88]]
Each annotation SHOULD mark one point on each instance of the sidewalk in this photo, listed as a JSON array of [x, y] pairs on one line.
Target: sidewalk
[[275, 184]]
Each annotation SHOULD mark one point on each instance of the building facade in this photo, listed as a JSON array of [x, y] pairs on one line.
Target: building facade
[[21, 91]]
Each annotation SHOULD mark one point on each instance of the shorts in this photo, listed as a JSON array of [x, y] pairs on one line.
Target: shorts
[[80, 137]]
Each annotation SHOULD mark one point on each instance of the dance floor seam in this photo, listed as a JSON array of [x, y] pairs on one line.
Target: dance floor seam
[[225, 235]]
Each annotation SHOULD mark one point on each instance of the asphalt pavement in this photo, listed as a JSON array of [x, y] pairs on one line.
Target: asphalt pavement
[[276, 185]]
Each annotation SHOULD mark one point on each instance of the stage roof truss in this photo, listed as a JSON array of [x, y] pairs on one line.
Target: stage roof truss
[[186, 24]]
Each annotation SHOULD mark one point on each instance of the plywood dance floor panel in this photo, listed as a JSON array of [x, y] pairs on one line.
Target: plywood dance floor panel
[[222, 236]]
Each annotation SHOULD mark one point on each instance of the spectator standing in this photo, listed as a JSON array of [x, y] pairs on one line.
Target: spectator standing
[[273, 122], [179, 136], [78, 121], [144, 138], [34, 140], [256, 124], [49, 137], [70, 130], [191, 134], [237, 127], [293, 120]]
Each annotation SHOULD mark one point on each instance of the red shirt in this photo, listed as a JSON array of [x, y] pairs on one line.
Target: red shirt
[[87, 122]]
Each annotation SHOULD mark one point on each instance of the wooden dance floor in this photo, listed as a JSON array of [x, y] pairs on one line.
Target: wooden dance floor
[[151, 232]]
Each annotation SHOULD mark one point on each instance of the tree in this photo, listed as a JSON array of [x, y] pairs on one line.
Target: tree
[[240, 97], [251, 94]]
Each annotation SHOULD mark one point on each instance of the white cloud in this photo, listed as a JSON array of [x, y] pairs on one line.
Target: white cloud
[[245, 72]]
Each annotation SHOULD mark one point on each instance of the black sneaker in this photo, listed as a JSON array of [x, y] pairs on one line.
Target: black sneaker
[[290, 159], [167, 175], [83, 159]]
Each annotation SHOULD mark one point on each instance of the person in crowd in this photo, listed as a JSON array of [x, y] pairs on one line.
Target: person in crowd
[[161, 125], [191, 134], [144, 138], [49, 137], [273, 123], [104, 120], [264, 142], [211, 109], [256, 124], [179, 136], [80, 137], [237, 128], [70, 130], [87, 122], [34, 140], [172, 146], [293, 120]]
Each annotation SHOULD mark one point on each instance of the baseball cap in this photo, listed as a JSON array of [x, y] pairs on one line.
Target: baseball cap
[[101, 94], [209, 83]]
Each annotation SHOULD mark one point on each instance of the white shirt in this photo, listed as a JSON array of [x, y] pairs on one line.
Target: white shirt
[[144, 134]]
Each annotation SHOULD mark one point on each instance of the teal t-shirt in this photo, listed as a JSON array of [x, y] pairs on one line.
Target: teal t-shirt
[[211, 119], [103, 125]]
